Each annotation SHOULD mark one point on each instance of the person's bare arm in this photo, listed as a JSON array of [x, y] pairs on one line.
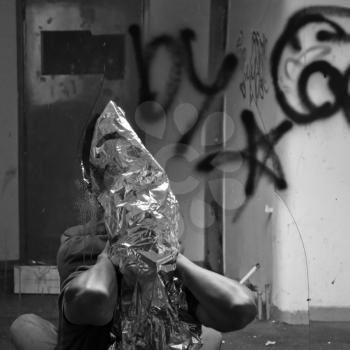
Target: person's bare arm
[[224, 304], [90, 298]]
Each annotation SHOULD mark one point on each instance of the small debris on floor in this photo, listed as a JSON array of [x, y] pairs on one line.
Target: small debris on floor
[[270, 342], [315, 335]]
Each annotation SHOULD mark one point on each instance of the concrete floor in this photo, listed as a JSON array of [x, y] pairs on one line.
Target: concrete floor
[[257, 336], [264, 335]]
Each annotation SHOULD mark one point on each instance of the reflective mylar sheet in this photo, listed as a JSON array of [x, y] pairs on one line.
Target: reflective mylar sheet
[[141, 216]]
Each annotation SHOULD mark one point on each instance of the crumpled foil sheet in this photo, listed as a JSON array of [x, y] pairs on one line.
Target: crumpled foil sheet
[[141, 217]]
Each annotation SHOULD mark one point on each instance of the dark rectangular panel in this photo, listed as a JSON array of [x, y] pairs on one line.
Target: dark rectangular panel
[[80, 52]]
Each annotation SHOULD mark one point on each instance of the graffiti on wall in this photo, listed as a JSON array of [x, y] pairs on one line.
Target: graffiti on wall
[[259, 151], [181, 54], [310, 71], [253, 83], [156, 103], [310, 64], [310, 76], [257, 141]]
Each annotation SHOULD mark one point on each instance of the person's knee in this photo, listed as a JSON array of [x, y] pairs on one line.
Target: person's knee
[[30, 331], [21, 322], [18, 329]]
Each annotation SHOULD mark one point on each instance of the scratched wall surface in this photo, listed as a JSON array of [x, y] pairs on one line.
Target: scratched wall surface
[[57, 109], [175, 52], [55, 102], [293, 81], [170, 81], [9, 225]]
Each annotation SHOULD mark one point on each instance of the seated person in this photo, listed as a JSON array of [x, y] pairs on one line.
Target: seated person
[[90, 289]]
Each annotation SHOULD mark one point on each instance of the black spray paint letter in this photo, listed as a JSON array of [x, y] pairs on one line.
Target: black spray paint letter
[[181, 54], [256, 141], [295, 60]]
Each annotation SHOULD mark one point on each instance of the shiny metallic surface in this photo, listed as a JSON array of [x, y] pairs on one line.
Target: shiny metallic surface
[[141, 217]]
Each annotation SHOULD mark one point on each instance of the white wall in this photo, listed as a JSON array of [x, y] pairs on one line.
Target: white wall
[[9, 218], [303, 245], [316, 161], [248, 239]]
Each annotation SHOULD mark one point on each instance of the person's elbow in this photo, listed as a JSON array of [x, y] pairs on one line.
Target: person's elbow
[[231, 316], [241, 315], [88, 306]]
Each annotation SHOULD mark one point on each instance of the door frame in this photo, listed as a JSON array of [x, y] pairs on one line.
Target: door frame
[[20, 15]]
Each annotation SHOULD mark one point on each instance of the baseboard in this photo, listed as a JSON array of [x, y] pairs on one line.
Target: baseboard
[[295, 317], [316, 314], [330, 314]]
